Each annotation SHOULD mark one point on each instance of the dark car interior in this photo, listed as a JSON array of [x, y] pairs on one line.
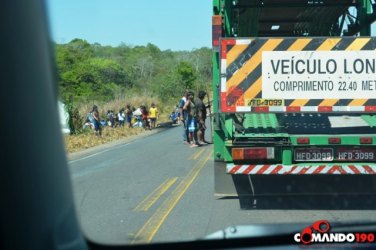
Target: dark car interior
[[37, 209]]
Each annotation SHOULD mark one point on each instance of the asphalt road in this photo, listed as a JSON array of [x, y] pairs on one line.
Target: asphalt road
[[152, 188]]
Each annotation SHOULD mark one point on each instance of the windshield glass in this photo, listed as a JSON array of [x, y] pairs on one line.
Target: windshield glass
[[184, 118]]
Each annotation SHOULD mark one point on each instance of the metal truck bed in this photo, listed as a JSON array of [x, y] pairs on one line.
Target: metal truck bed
[[309, 124]]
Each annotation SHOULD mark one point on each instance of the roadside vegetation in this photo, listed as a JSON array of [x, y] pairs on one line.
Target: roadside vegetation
[[112, 77], [85, 138], [88, 139]]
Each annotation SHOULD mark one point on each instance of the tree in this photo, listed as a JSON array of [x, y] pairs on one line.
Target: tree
[[101, 73], [186, 75]]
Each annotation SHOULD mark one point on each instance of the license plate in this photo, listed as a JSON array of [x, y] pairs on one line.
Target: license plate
[[356, 154], [257, 102], [313, 154]]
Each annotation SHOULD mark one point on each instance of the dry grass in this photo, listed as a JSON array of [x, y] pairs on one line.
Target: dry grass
[[88, 139], [135, 101]]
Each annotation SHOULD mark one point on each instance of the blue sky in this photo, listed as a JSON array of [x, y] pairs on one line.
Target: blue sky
[[169, 24]]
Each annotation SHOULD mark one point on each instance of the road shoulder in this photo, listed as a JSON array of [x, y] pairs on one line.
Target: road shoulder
[[129, 139]]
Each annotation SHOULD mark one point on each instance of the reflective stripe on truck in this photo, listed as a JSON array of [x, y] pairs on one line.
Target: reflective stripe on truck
[[301, 169]]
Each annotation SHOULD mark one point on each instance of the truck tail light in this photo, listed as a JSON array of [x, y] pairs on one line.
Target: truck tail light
[[252, 153], [237, 153], [334, 140], [303, 140], [365, 140]]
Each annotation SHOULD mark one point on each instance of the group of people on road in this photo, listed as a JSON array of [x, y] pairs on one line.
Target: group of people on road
[[193, 115], [146, 118], [141, 117]]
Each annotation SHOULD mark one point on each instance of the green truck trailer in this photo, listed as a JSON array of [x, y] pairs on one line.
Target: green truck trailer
[[294, 86]]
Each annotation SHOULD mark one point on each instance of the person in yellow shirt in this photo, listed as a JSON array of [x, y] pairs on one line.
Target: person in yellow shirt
[[153, 115]]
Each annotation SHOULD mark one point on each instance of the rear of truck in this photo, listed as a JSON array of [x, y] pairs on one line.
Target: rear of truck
[[294, 115]]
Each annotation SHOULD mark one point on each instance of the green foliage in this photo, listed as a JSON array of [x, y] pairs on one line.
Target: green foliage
[[94, 73], [186, 75], [75, 120], [167, 87]]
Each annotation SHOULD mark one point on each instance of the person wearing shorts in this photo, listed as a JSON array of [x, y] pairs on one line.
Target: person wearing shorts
[[201, 117], [189, 107], [153, 114], [129, 114], [97, 121], [183, 116]]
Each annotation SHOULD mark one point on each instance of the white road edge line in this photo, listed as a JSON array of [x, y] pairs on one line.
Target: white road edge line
[[103, 151]]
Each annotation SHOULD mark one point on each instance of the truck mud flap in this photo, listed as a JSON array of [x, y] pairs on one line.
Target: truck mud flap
[[230, 185], [251, 185]]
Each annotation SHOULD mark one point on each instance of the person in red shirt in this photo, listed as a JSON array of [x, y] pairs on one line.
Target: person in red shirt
[[145, 117]]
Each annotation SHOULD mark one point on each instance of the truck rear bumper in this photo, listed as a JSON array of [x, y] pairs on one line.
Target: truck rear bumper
[[301, 169], [238, 184]]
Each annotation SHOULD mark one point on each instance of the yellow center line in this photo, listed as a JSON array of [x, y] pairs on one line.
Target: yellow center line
[[196, 154], [151, 227], [155, 195]]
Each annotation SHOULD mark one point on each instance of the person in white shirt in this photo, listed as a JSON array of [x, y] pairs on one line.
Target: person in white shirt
[[121, 117], [183, 117]]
